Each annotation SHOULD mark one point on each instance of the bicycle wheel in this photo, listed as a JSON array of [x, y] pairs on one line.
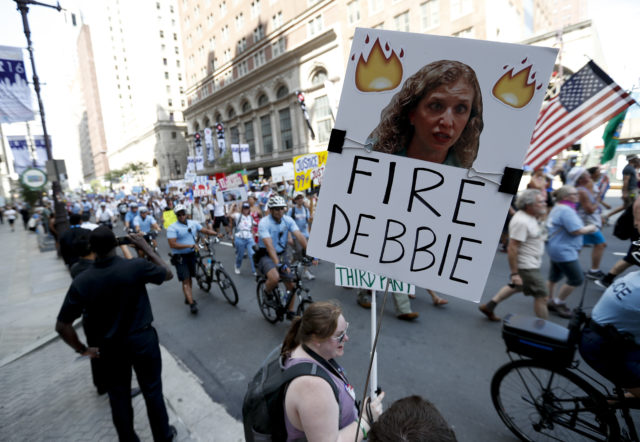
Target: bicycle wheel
[[539, 402], [227, 287], [204, 281], [302, 306], [267, 303]]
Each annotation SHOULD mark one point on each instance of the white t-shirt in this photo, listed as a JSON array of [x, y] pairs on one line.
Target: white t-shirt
[[218, 209], [243, 223], [531, 234], [10, 214]]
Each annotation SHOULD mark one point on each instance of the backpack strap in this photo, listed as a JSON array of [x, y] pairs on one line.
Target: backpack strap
[[309, 369]]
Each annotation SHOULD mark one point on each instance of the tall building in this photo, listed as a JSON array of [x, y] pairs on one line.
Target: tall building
[[138, 60], [245, 61]]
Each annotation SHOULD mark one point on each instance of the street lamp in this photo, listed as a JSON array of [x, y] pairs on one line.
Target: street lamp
[[60, 212]]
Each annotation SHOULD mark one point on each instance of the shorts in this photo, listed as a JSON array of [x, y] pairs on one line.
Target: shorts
[[265, 264], [593, 238], [629, 256], [217, 220], [185, 264], [628, 200], [620, 367], [11, 221], [533, 283], [570, 269]]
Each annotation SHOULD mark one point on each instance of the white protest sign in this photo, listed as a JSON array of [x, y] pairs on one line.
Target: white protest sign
[[230, 196], [201, 186], [235, 153], [189, 177], [230, 181], [282, 172], [446, 110], [208, 142], [191, 164], [361, 279], [199, 162]]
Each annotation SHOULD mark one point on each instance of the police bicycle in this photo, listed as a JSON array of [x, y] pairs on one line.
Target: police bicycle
[[274, 306], [544, 395], [209, 270]]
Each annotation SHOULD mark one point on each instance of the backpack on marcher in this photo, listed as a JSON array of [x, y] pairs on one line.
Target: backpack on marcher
[[623, 228], [263, 405]]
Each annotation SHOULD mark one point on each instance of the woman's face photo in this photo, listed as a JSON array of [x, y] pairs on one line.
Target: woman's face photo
[[439, 119]]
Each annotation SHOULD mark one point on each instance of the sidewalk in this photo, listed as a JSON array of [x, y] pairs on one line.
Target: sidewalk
[[46, 393]]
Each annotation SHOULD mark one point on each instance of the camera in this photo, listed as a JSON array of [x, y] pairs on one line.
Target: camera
[[124, 240]]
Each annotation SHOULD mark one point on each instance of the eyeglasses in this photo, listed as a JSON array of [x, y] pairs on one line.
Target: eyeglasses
[[277, 208], [181, 213], [341, 336]]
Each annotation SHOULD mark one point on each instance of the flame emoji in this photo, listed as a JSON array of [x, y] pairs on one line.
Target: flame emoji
[[378, 73], [515, 90]]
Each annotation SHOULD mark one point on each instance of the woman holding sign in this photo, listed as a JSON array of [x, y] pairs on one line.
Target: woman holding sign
[[436, 116]]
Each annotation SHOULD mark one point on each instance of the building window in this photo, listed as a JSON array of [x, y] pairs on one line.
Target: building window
[[223, 9], [255, 8], [168, 89], [267, 139], [262, 100], [276, 20], [175, 36], [319, 77], [242, 45], [353, 12], [315, 25], [225, 32], [235, 135], [258, 33], [176, 50], [375, 6], [258, 58], [286, 138], [401, 22], [239, 21], [246, 106], [174, 135], [322, 116], [282, 92], [231, 113], [243, 68], [248, 137], [465, 33], [460, 8], [164, 61], [161, 34], [430, 14], [170, 101], [278, 47], [166, 75]]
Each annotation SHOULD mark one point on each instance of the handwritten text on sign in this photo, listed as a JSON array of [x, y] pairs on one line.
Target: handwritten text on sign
[[307, 168], [361, 279], [231, 181]]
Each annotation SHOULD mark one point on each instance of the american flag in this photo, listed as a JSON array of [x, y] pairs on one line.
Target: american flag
[[586, 100]]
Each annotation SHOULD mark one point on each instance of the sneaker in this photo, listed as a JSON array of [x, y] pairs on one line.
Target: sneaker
[[364, 302], [492, 316], [408, 316], [236, 269], [290, 315], [595, 274], [194, 308], [254, 273], [560, 309], [602, 283], [308, 275]]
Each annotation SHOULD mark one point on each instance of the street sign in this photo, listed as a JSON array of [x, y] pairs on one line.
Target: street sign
[[33, 178]]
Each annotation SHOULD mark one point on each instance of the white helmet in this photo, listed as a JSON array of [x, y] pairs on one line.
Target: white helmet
[[276, 201], [179, 208]]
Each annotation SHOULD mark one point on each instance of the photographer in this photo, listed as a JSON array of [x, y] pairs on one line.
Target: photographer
[[182, 239]]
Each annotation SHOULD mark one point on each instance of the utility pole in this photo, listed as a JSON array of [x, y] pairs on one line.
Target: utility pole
[[60, 212]]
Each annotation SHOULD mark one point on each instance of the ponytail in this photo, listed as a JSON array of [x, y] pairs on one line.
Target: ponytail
[[320, 319], [291, 340]]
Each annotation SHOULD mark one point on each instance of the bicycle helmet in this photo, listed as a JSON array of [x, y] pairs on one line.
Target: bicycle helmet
[[179, 208], [276, 201]]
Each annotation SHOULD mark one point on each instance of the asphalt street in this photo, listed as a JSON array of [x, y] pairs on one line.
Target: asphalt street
[[448, 355]]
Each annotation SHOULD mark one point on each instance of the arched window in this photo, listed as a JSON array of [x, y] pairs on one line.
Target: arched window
[[231, 112], [262, 100], [196, 127], [206, 122], [282, 92], [246, 106], [319, 77], [218, 118]]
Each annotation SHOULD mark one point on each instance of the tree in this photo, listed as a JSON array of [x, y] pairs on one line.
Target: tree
[[139, 169], [29, 195], [113, 177]]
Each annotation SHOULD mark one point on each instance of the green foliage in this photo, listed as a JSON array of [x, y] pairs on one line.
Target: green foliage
[[29, 195], [139, 169]]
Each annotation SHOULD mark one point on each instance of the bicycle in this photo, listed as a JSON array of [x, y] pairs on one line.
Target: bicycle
[[209, 270], [274, 305], [544, 395]]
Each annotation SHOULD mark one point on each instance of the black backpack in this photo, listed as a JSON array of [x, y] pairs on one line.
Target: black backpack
[[623, 228], [263, 405]]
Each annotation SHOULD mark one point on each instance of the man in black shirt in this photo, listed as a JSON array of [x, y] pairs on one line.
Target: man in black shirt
[[112, 292], [67, 239]]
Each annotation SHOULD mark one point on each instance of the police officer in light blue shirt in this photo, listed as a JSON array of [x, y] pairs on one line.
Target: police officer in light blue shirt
[[144, 222], [130, 215], [273, 233], [182, 237]]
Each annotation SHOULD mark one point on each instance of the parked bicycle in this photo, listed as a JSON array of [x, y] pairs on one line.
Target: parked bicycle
[[274, 305], [543, 394], [209, 270]]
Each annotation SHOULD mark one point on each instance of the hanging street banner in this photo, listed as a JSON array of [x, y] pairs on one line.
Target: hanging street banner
[[15, 93], [21, 155], [431, 122], [308, 167], [199, 162], [235, 153], [361, 279], [245, 155], [41, 151], [208, 143]]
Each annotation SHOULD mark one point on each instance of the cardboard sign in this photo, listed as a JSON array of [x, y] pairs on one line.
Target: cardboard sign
[[230, 181], [307, 168], [231, 196], [284, 172], [201, 186], [361, 279], [431, 123]]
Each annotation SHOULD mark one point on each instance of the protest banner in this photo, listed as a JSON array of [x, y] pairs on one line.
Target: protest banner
[[361, 279], [307, 168], [230, 181], [284, 172], [15, 93], [430, 125], [230, 196], [201, 186]]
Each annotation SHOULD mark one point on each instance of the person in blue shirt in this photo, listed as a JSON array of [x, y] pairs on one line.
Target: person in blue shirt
[[302, 216], [129, 216], [182, 239], [610, 343], [145, 223], [273, 234]]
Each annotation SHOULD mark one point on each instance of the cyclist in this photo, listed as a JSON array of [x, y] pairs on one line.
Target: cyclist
[[146, 223], [610, 343], [273, 233], [129, 216], [104, 215], [182, 240]]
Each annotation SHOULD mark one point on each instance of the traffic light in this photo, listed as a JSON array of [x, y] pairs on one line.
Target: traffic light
[[197, 140], [220, 130], [301, 98], [303, 107]]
